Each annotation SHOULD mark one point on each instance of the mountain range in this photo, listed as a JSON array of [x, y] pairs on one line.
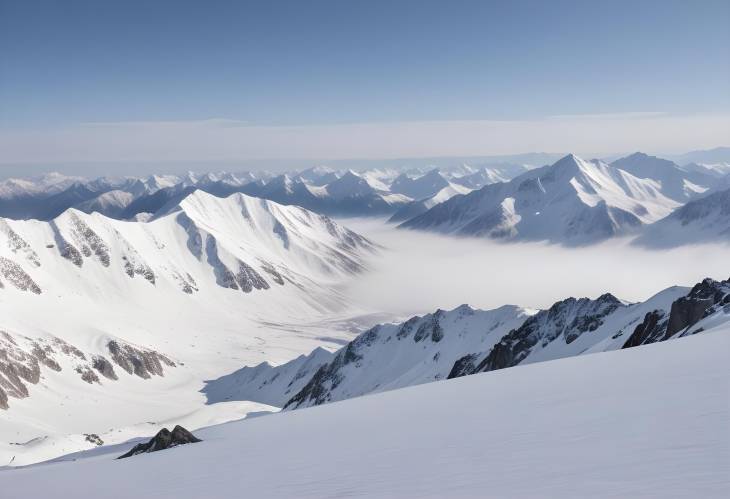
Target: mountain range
[[573, 201], [102, 312], [464, 341], [320, 189]]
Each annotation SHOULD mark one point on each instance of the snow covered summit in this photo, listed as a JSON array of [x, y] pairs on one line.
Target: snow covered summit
[[573, 201]]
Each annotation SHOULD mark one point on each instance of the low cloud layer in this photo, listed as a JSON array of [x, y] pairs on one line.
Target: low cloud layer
[[421, 272]]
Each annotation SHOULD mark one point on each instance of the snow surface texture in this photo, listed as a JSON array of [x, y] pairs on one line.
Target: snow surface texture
[[100, 313], [644, 422]]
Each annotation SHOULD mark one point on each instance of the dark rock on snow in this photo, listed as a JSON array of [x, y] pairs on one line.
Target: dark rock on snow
[[165, 439]]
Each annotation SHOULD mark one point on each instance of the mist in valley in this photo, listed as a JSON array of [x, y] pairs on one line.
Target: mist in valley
[[418, 272]]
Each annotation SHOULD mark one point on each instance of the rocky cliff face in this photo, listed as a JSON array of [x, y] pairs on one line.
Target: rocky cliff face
[[705, 299], [564, 321]]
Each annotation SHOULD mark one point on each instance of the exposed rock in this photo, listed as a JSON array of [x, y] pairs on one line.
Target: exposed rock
[[90, 241], [570, 318], [687, 310], [269, 269], [18, 245], [165, 439], [93, 438], [15, 274], [87, 374], [105, 367], [684, 313], [138, 361]]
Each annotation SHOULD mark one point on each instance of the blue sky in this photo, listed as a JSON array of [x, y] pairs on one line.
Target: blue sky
[[325, 63]]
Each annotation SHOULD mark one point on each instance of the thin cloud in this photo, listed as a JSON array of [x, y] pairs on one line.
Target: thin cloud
[[230, 140]]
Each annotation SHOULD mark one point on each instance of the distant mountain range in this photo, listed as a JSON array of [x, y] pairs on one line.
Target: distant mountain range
[[575, 201], [321, 189], [571, 201]]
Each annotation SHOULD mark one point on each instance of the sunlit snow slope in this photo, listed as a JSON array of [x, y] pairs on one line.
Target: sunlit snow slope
[[107, 323], [644, 422]]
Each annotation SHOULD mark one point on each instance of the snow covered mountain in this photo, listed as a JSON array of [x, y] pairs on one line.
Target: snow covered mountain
[[643, 422], [122, 296], [448, 344], [706, 219], [421, 187], [572, 202], [489, 175], [416, 208], [675, 182]]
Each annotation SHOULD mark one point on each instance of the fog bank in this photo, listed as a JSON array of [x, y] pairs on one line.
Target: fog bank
[[420, 272]]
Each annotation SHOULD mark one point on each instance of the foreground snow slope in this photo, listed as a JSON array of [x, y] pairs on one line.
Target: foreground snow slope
[[644, 422]]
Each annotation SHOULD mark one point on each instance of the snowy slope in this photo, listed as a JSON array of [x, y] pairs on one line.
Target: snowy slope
[[572, 202], [644, 422], [677, 183], [140, 314], [420, 350], [265, 383], [706, 219], [465, 341]]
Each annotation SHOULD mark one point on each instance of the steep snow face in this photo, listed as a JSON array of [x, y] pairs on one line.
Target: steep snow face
[[703, 220], [211, 286], [420, 350], [675, 182], [644, 422], [572, 201]]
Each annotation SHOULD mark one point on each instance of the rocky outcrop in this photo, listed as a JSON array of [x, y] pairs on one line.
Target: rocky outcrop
[[22, 360], [568, 319], [141, 362], [15, 274], [652, 329], [704, 298], [165, 439], [18, 245], [89, 241], [688, 310]]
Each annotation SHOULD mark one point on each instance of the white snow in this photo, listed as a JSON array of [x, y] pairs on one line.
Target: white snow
[[209, 332], [645, 422]]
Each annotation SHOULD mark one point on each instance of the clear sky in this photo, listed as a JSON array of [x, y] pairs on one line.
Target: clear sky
[[97, 72]]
